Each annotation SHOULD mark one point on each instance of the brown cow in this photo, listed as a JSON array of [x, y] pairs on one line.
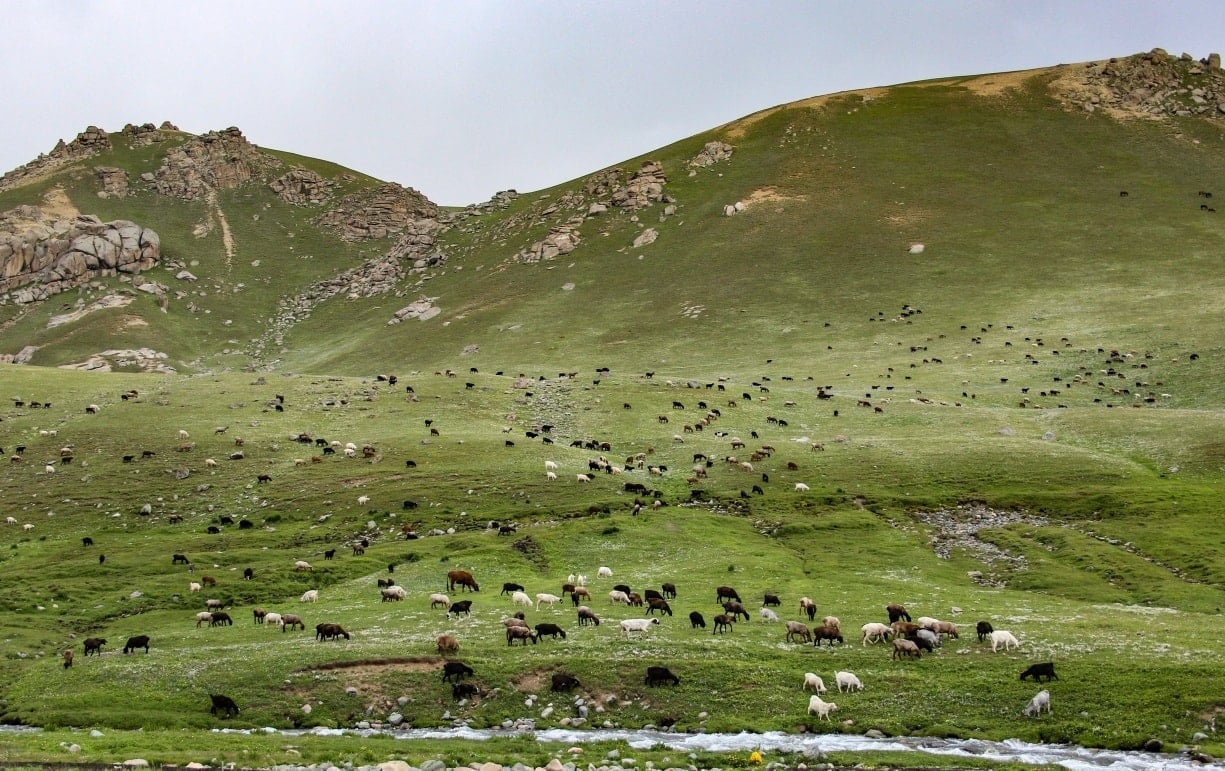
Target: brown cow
[[461, 578]]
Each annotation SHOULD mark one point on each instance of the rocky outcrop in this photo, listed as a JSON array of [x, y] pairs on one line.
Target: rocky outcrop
[[644, 188], [112, 181], [87, 144], [147, 134], [218, 160], [712, 153], [1153, 84], [302, 187], [562, 239], [143, 359], [378, 213], [40, 257]]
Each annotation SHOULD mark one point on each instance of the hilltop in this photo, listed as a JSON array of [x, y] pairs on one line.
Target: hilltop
[[954, 344]]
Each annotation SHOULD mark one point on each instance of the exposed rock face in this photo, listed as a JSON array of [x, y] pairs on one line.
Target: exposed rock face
[[146, 134], [643, 189], [40, 257], [712, 153], [562, 239], [143, 359], [378, 213], [112, 182], [302, 187], [1153, 84], [88, 143], [216, 160]]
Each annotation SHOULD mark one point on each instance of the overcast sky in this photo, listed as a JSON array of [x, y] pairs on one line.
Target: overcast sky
[[462, 98]]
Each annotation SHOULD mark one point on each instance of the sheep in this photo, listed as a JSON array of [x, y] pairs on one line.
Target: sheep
[[291, 621], [906, 648], [618, 597], [875, 632], [947, 628], [847, 681], [515, 620], [808, 607], [897, 613], [302, 565], [814, 681], [1038, 671], [447, 643], [210, 463], [520, 598], [800, 487], [550, 476], [582, 478], [543, 598], [927, 622], [659, 676], [830, 633], [223, 704], [438, 600], [310, 595], [768, 616], [637, 625], [195, 587], [832, 622], [603, 572], [272, 619], [587, 616], [183, 434], [696, 620], [203, 617], [456, 669], [27, 527], [395, 593], [1004, 638], [93, 645], [564, 682], [213, 604], [1041, 701], [821, 708], [796, 629], [362, 500], [550, 465], [521, 633], [984, 630], [549, 630]]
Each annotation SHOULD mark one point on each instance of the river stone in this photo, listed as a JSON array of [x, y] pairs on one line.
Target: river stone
[[873, 733], [488, 766], [395, 718], [554, 765], [194, 764], [433, 765], [136, 763], [94, 733], [394, 765], [73, 748], [1153, 745]]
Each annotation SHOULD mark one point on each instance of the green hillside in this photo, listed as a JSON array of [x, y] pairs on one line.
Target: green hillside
[[1019, 422]]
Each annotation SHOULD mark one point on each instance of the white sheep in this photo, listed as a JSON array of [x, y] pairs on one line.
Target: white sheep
[[637, 625], [210, 463], [551, 476], [768, 615], [362, 500], [310, 595], [392, 593], [272, 619], [27, 527], [580, 580], [616, 596], [800, 487], [520, 598], [550, 465], [10, 520], [351, 446], [350, 453], [193, 586], [582, 478], [302, 565], [814, 681], [1041, 701], [832, 622], [875, 632], [439, 601], [546, 598], [49, 469], [1001, 637], [927, 622], [818, 707], [848, 681], [604, 572], [183, 434]]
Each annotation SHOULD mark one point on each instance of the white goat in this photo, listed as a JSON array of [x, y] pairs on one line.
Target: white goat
[[822, 708], [848, 681], [1041, 701], [1004, 638], [814, 681]]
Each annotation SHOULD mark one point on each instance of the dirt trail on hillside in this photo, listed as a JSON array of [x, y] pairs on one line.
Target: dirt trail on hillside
[[227, 237]]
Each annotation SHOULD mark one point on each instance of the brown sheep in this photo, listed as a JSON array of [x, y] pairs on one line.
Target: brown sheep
[[447, 643]]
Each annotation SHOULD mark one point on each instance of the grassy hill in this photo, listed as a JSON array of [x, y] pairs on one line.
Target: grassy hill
[[1024, 424]]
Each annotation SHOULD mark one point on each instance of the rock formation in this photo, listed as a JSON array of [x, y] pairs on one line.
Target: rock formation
[[302, 187], [378, 213], [112, 182], [41, 257], [712, 153], [87, 144], [216, 160], [1153, 84]]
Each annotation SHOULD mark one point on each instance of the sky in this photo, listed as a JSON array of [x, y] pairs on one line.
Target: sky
[[463, 98]]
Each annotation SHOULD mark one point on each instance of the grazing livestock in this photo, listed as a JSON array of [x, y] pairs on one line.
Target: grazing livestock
[[830, 633], [457, 670], [248, 573], [1006, 639], [203, 617], [767, 615], [696, 620], [302, 566], [736, 610], [820, 708], [637, 625], [463, 606], [439, 601], [291, 621], [800, 487], [1039, 671], [984, 630], [193, 586], [604, 572], [461, 578], [259, 614], [274, 619], [221, 618], [587, 616], [669, 591], [330, 632], [446, 643], [509, 588], [223, 704], [546, 598], [814, 681], [550, 630], [808, 607], [906, 648], [726, 593], [563, 682], [796, 629], [461, 691], [394, 593], [847, 681], [897, 613], [310, 595], [520, 633], [521, 598], [875, 632], [723, 623], [659, 604], [660, 676], [140, 641], [618, 597], [179, 559], [1040, 702], [771, 600], [68, 654], [93, 645]]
